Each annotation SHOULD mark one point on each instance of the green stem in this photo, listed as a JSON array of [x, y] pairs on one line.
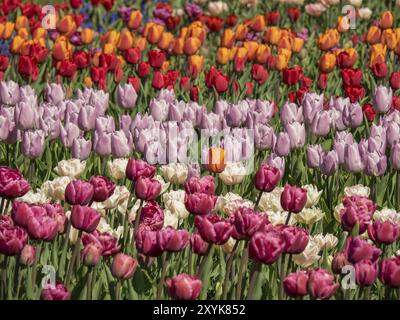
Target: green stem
[[118, 290], [3, 285], [73, 258], [89, 283], [163, 273], [228, 270], [35, 264], [242, 267], [253, 280]]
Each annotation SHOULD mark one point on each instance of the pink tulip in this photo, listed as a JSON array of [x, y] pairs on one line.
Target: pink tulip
[[296, 238], [266, 178], [102, 188], [200, 203], [147, 188], [123, 266], [12, 183], [91, 255], [147, 242], [184, 287], [198, 245], [384, 232], [27, 255], [79, 192], [266, 247], [203, 185], [84, 218], [357, 249], [357, 210], [295, 284], [389, 272], [152, 216], [107, 243], [321, 284], [246, 222], [293, 199], [12, 238], [57, 292], [172, 240], [366, 272], [213, 228], [139, 168]]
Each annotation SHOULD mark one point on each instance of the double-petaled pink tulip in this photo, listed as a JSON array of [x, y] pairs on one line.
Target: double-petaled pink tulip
[[139, 168], [12, 183], [123, 266], [321, 283], [293, 199], [79, 192], [389, 272], [57, 292], [184, 287], [213, 228], [366, 272], [85, 218], [147, 243], [152, 216], [42, 226], [203, 185], [296, 238], [102, 188], [357, 249], [357, 210], [200, 203], [147, 188], [384, 231], [198, 245], [12, 238], [266, 247], [295, 284], [105, 241], [246, 222], [172, 240], [266, 178]]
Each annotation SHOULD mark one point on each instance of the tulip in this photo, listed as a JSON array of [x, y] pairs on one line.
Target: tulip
[[266, 178], [216, 160], [9, 92], [312, 104], [12, 183], [259, 73], [123, 266], [292, 75], [282, 144], [81, 148], [395, 156], [321, 123], [26, 116], [102, 143], [295, 284], [146, 242], [339, 261], [184, 287], [102, 188], [42, 227], [12, 239], [352, 158], [57, 292], [352, 115], [213, 228], [293, 199], [314, 156], [246, 222], [69, 133], [291, 113], [91, 255], [198, 245], [54, 93], [382, 99], [296, 239], [104, 241], [357, 250], [152, 216], [199, 203], [33, 143], [366, 272], [27, 256], [321, 284], [172, 240], [329, 163], [84, 218], [383, 232], [375, 164], [147, 188], [386, 20], [266, 247], [395, 80], [263, 136], [389, 272], [120, 146], [79, 192], [126, 96], [357, 210], [87, 118]]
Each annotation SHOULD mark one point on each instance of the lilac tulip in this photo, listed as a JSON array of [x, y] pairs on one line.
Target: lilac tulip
[[282, 144], [382, 99], [329, 163], [312, 104], [68, 134], [87, 118], [9, 92], [321, 124], [297, 134], [26, 116], [290, 113], [126, 96], [33, 143], [352, 158], [120, 148], [395, 156], [102, 143], [81, 148], [104, 124], [314, 155], [263, 136], [54, 93]]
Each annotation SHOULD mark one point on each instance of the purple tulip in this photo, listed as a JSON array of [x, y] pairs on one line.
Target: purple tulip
[[352, 115], [81, 148], [314, 156], [266, 247], [102, 143], [26, 116], [104, 124], [357, 250], [12, 238], [321, 124], [33, 143], [120, 147], [352, 158], [366, 272], [297, 135], [87, 118], [282, 144], [293, 199], [395, 156], [68, 134], [152, 216], [9, 92], [42, 226], [296, 238], [158, 109], [126, 96], [312, 104], [85, 218], [290, 113], [12, 183], [79, 192], [382, 99], [329, 163], [139, 168], [277, 162], [263, 136], [234, 116], [375, 164], [356, 210]]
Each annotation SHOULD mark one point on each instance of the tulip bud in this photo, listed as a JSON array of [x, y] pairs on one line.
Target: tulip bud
[[85, 218], [266, 178], [123, 266], [27, 255], [295, 284], [79, 192], [293, 199], [184, 287], [90, 255]]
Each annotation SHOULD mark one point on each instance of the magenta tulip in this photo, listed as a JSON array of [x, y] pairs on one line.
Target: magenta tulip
[[213, 228], [106, 242], [266, 178], [102, 188], [147, 243], [85, 218], [384, 232], [293, 199], [389, 272], [152, 216], [57, 292], [123, 266], [79, 192], [12, 183], [266, 247], [147, 188], [366, 272], [200, 203], [295, 284], [357, 249], [198, 245], [12, 238], [357, 210], [184, 287], [246, 222], [203, 185], [139, 168], [172, 240], [296, 238], [321, 284]]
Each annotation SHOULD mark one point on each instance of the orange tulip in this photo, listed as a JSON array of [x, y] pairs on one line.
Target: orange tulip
[[40, 33], [282, 61], [6, 30], [232, 53], [108, 48], [111, 37], [216, 160], [21, 22], [62, 49], [327, 62], [23, 33], [389, 38], [191, 46], [373, 35], [297, 44], [16, 44], [140, 42], [195, 63], [125, 40], [183, 32], [263, 51], [240, 59], [165, 65], [227, 38], [251, 47], [272, 35], [257, 24], [240, 31], [178, 46], [88, 82], [386, 20], [67, 25], [343, 24], [154, 32], [87, 35], [328, 40], [165, 41], [197, 30], [285, 42], [378, 54], [135, 19], [223, 55]]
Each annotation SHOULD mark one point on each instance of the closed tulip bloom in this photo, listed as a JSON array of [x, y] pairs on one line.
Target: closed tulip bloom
[[321, 124], [79, 192], [375, 164], [314, 155], [172, 240], [266, 178], [184, 287], [385, 232], [12, 183], [81, 148], [9, 92], [27, 256], [389, 272], [91, 255], [147, 243], [339, 261], [87, 118], [213, 228], [33, 143], [84, 218], [297, 134], [12, 239], [263, 136], [139, 168], [329, 163], [120, 146], [102, 143], [321, 284], [293, 199], [69, 133], [356, 210], [357, 250], [312, 103], [102, 188], [296, 238], [234, 116], [352, 158], [266, 247], [204, 184], [366, 272], [123, 266], [57, 292], [104, 124], [246, 222], [395, 156], [147, 188], [290, 113], [295, 284], [282, 144], [26, 116], [198, 245], [382, 99], [54, 93], [199, 203], [352, 115], [126, 96]]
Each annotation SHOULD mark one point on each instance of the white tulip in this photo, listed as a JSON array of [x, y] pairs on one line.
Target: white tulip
[[227, 247], [313, 195], [55, 189], [309, 216], [357, 190], [271, 201], [170, 219], [309, 256], [387, 214], [70, 168], [174, 202], [31, 197], [365, 13], [231, 202], [175, 173], [117, 167], [234, 173], [217, 8]]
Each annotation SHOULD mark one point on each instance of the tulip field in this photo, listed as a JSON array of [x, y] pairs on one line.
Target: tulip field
[[193, 150]]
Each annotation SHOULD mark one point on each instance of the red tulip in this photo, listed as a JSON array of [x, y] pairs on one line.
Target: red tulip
[[380, 70], [352, 77], [3, 63], [292, 75], [221, 83], [135, 82], [213, 228], [294, 13], [323, 81], [156, 58], [27, 66], [395, 80], [132, 55], [85, 218], [123, 266], [143, 69], [272, 18], [369, 111], [67, 69], [266, 247], [81, 59], [158, 80], [355, 93], [184, 287], [259, 73]]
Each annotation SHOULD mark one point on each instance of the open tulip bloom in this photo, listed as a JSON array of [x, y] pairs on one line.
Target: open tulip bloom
[[200, 150]]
